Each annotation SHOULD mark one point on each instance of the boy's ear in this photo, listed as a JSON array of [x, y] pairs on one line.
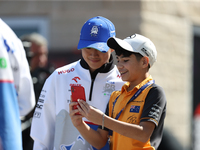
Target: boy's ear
[[145, 61]]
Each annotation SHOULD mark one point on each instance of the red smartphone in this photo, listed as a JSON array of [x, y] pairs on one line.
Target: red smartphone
[[78, 92]]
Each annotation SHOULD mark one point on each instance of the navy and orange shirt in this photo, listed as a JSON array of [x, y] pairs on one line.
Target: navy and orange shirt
[[149, 105]]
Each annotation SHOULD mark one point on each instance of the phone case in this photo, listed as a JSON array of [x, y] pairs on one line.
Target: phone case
[[78, 92]]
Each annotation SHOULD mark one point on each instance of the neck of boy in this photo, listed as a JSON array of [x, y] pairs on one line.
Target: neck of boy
[[135, 83]]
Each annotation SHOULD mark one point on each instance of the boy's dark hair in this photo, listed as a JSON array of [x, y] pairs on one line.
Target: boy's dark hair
[[126, 53]]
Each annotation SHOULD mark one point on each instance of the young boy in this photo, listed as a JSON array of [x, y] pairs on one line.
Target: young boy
[[52, 128], [135, 115]]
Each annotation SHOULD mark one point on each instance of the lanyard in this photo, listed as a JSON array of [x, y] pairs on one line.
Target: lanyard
[[132, 98]]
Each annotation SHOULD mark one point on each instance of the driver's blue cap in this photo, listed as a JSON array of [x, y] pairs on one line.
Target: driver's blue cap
[[95, 33]]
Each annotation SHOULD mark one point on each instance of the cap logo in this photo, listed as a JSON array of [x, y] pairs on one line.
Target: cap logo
[[145, 51], [94, 31]]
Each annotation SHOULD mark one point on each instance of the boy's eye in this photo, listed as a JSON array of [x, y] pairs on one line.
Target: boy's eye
[[126, 60], [123, 60]]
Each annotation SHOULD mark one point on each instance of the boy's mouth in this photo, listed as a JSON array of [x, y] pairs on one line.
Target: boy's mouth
[[122, 73]]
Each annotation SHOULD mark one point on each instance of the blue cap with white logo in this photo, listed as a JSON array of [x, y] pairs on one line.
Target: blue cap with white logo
[[95, 33]]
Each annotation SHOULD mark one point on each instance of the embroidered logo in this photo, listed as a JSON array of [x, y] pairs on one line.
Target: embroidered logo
[[94, 31], [135, 109], [145, 51]]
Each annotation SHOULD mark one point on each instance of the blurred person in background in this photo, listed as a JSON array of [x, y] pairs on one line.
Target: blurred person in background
[[16, 88], [36, 47]]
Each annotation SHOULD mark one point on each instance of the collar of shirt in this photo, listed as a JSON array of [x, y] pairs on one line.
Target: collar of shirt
[[137, 87]]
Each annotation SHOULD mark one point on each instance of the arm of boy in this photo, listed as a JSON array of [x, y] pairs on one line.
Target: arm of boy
[[144, 129], [97, 138]]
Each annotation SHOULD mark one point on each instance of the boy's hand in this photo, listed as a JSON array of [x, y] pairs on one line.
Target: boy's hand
[[76, 119], [92, 114]]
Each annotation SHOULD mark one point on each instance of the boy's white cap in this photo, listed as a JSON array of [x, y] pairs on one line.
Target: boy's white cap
[[137, 44]]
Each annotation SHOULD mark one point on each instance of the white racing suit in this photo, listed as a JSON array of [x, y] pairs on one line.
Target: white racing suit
[[52, 128]]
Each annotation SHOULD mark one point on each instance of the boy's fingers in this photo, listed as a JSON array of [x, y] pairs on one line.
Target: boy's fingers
[[83, 105], [71, 105], [82, 101], [79, 109], [75, 111]]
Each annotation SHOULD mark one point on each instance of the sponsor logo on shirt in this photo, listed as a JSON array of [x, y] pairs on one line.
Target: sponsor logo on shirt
[[75, 84], [40, 102], [9, 49], [36, 114], [109, 88], [76, 79], [42, 96], [118, 76], [70, 146], [142, 101], [132, 119], [66, 71], [39, 106], [3, 63], [155, 112]]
